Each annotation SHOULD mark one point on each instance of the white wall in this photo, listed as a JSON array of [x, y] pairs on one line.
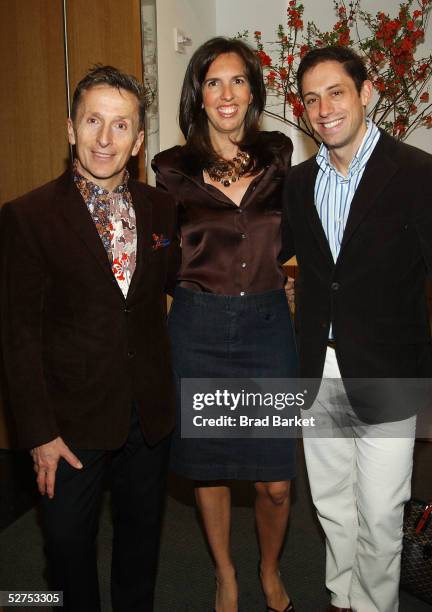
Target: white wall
[[197, 18], [265, 15], [202, 19]]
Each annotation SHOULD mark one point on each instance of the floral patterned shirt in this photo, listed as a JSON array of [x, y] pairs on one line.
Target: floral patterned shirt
[[114, 217]]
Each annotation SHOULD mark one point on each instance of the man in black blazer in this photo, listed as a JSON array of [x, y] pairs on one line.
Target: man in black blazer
[[85, 261], [358, 216]]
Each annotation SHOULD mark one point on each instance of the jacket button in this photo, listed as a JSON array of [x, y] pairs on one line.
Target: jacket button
[[127, 310], [131, 354], [335, 286]]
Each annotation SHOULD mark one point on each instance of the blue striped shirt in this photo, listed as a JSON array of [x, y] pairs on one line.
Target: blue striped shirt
[[334, 192]]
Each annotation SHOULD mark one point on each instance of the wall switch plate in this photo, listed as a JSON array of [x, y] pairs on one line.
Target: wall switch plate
[[180, 40]]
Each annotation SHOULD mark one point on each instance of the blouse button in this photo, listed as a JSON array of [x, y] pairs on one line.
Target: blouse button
[[239, 211], [243, 265]]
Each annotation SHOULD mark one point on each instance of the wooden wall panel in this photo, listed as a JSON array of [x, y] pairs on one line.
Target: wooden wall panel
[[32, 95], [33, 98], [33, 106], [106, 32]]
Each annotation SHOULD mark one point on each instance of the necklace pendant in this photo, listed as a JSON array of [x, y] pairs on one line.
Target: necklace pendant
[[229, 171]]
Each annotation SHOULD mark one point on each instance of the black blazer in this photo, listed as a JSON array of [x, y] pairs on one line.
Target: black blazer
[[374, 295], [76, 352]]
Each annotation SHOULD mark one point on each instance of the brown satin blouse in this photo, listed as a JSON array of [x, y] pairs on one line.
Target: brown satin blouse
[[226, 249]]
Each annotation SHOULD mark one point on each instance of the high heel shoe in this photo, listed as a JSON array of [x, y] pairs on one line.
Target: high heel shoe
[[289, 608]]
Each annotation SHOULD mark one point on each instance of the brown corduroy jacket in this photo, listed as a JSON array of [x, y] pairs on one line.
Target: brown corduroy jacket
[[76, 353]]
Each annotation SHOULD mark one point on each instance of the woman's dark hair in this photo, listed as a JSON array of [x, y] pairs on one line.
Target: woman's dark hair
[[351, 62], [192, 116]]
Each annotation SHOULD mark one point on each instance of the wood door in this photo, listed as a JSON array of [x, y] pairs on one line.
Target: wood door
[[33, 95], [106, 32], [33, 106]]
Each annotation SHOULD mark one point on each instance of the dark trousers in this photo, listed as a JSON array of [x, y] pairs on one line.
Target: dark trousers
[[70, 521]]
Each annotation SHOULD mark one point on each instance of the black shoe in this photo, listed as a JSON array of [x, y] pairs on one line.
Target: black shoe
[[289, 608]]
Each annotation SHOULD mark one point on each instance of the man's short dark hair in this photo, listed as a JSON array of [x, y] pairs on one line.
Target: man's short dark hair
[[352, 63], [108, 75]]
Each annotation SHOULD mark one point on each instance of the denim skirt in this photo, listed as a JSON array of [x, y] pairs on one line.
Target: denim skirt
[[218, 336]]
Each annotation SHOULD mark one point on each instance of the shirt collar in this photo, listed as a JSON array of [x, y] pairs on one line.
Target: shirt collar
[[360, 158], [88, 189]]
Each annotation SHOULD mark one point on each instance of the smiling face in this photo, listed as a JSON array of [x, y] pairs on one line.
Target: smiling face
[[105, 133], [226, 96], [336, 110]]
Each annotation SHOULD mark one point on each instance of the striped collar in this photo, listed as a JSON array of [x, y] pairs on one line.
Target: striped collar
[[359, 160]]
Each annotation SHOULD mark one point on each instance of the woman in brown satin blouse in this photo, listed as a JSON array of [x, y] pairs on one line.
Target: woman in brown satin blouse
[[230, 317]]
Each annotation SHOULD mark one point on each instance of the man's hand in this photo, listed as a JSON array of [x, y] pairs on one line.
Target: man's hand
[[290, 292], [46, 458]]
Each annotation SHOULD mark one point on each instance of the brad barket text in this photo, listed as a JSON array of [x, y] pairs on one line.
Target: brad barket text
[[244, 421]]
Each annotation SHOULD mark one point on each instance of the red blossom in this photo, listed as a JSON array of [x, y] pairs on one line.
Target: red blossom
[[380, 85], [295, 103], [294, 18], [298, 110], [377, 57], [303, 50], [406, 44], [400, 69], [421, 73], [400, 125], [402, 12], [389, 50], [388, 30], [264, 58], [344, 39]]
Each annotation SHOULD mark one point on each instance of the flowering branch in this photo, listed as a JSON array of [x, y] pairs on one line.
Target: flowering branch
[[389, 49]]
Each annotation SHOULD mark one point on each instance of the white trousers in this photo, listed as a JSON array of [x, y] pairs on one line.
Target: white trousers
[[359, 486]]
